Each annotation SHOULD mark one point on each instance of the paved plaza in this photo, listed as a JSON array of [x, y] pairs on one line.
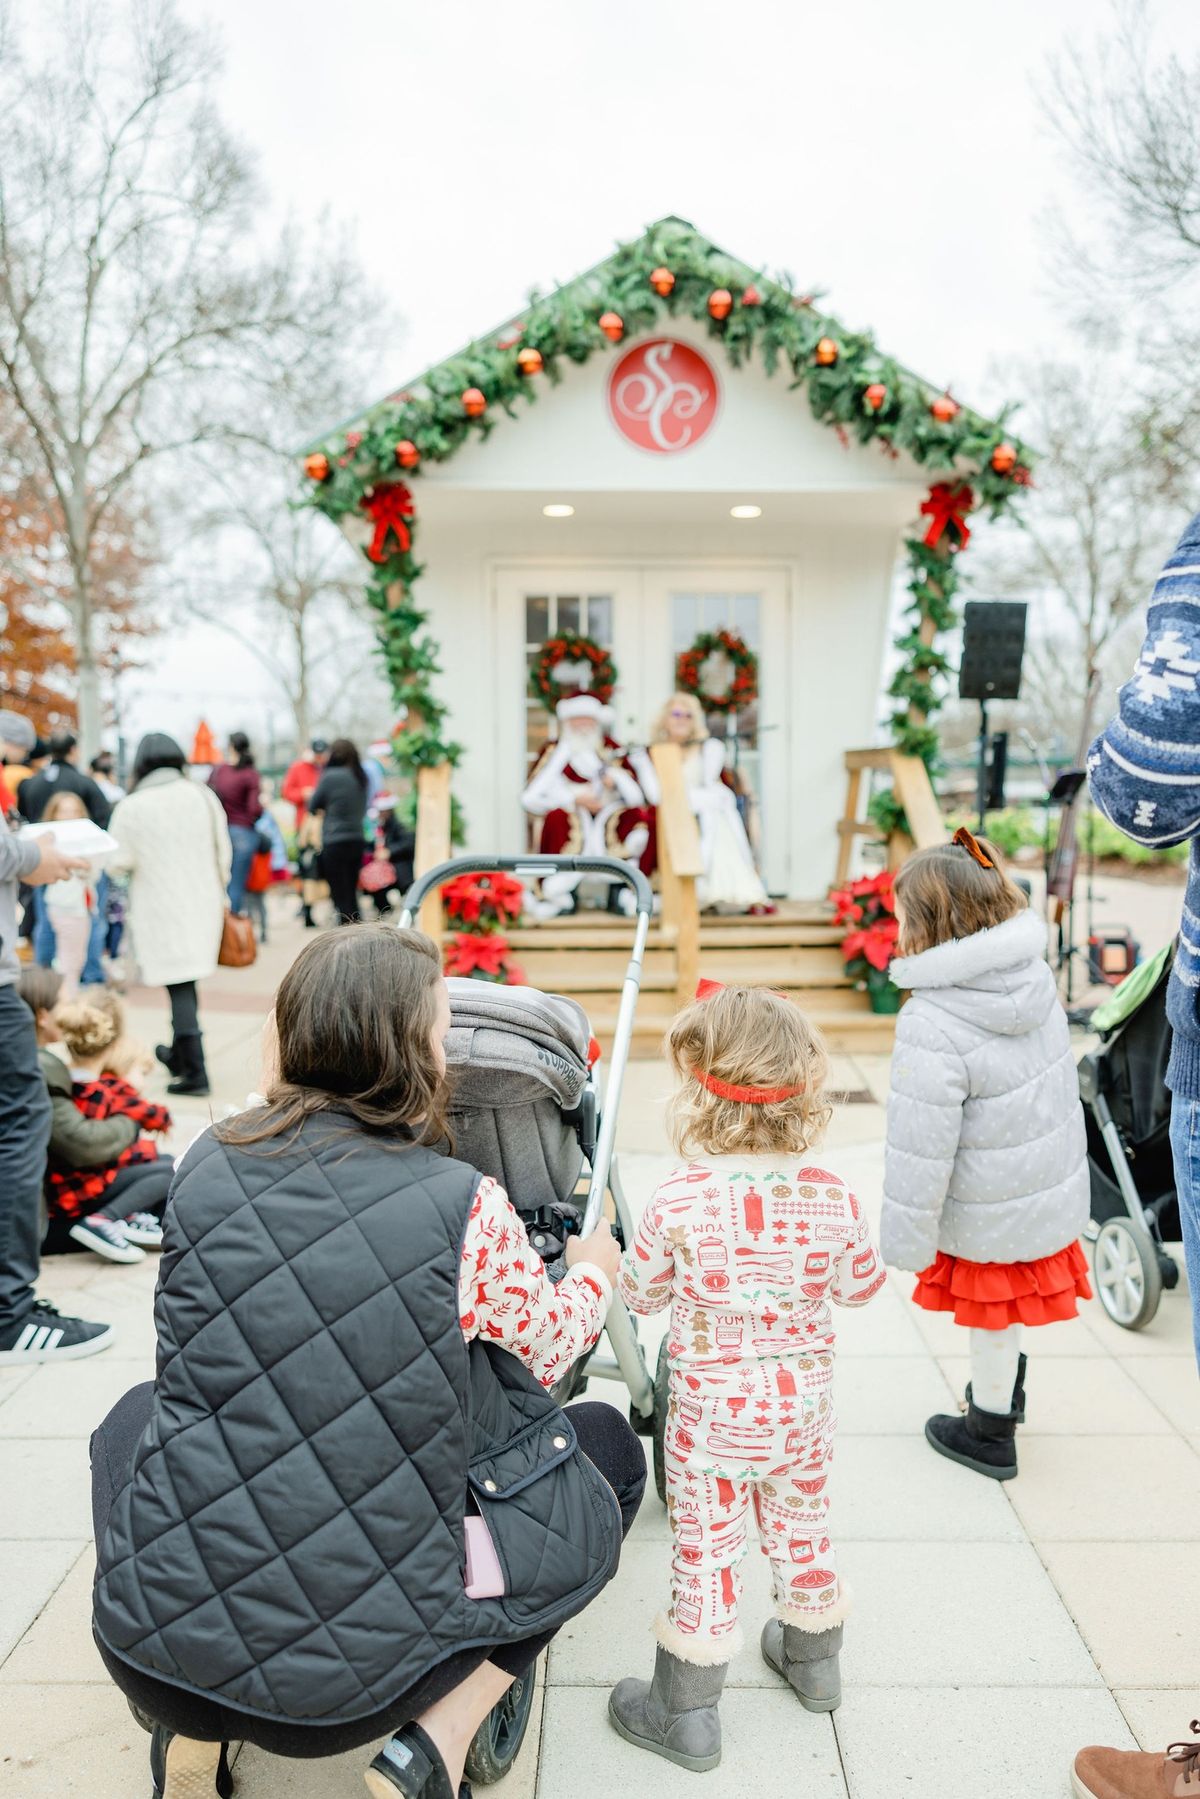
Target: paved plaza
[[996, 1629]]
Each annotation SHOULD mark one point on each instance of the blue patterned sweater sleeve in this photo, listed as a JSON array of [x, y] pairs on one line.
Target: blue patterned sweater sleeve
[[1144, 772]]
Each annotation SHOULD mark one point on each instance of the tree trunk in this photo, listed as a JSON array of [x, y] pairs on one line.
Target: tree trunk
[[87, 675]]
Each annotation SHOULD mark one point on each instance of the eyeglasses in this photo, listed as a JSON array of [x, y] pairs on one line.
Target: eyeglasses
[[679, 712]]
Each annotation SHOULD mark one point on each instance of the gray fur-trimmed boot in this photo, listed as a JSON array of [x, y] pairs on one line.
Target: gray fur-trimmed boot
[[808, 1661], [675, 1714]]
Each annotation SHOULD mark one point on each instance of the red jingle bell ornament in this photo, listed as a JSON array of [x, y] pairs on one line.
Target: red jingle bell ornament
[[945, 410], [529, 361], [826, 353], [407, 453], [612, 325], [316, 466], [473, 402], [1004, 458], [662, 281], [875, 395], [720, 303]]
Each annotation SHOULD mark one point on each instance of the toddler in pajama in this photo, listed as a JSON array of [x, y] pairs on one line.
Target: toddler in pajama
[[747, 1242]]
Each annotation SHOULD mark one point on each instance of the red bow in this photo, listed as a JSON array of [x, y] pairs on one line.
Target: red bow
[[389, 508], [948, 505]]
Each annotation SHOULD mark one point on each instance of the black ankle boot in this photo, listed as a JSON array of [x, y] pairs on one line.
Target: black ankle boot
[[310, 923], [168, 1055], [193, 1075], [984, 1441], [1018, 1392]]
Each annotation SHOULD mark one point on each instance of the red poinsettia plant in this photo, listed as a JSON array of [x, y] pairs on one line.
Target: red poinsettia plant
[[867, 907], [482, 958], [480, 906], [483, 902]]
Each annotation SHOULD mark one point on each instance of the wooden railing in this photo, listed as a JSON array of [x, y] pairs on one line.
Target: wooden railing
[[433, 839], [680, 865], [914, 790]]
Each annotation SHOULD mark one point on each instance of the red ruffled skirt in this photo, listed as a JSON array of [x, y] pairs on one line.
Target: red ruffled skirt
[[992, 1295]]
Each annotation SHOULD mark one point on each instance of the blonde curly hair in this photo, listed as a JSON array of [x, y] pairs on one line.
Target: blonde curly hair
[[746, 1037], [85, 1029]]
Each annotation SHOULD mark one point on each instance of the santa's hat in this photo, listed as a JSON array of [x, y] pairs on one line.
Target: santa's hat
[[583, 705]]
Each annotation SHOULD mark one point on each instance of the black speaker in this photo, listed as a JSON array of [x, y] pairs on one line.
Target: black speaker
[[993, 647]]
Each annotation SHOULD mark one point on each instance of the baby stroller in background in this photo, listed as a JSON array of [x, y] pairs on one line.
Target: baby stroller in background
[[1128, 1112], [527, 1107]]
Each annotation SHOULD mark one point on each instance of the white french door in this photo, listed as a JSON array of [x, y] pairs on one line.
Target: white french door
[[646, 614], [752, 602]]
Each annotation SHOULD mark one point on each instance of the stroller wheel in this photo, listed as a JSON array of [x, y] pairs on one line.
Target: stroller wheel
[[497, 1742], [1128, 1277]]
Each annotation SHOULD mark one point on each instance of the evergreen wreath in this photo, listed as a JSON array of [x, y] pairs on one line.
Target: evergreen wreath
[[743, 686], [570, 646]]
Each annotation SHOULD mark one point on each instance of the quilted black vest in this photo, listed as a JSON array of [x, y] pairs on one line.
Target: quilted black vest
[[291, 1538]]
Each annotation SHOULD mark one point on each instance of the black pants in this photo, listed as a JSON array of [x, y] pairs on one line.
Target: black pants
[[24, 1134], [341, 864], [185, 1009], [139, 1188], [605, 1438]]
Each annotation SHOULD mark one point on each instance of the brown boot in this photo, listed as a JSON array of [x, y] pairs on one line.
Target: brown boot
[[1130, 1774]]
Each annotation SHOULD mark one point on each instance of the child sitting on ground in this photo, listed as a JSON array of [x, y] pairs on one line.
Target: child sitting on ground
[[747, 1242], [985, 1187], [76, 1142], [116, 1210]]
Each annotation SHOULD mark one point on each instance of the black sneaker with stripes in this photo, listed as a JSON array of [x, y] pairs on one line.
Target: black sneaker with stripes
[[44, 1335]]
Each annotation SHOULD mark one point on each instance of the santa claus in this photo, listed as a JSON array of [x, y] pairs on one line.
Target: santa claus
[[584, 790]]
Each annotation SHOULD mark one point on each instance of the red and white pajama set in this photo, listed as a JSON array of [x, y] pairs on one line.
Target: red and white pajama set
[[748, 1251]]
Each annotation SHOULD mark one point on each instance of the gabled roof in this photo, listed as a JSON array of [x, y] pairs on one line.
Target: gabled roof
[[850, 383]]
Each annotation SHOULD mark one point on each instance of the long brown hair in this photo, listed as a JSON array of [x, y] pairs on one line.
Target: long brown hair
[[354, 1016], [945, 893]]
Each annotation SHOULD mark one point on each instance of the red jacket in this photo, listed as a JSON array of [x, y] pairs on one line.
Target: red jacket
[[70, 1191], [298, 785]]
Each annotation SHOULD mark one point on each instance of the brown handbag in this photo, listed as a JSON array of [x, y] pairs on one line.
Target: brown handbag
[[238, 948]]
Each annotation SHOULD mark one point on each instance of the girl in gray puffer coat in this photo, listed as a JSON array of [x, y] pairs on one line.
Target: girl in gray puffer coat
[[985, 1179]]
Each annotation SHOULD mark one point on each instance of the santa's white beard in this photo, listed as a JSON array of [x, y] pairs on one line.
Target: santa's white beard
[[582, 749]]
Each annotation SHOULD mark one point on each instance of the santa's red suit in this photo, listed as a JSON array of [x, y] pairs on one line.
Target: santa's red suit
[[587, 795]]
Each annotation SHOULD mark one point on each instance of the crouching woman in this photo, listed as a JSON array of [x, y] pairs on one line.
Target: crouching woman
[[354, 1344]]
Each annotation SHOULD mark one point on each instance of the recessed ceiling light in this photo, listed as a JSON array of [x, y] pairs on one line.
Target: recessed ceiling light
[[558, 511], [745, 512]]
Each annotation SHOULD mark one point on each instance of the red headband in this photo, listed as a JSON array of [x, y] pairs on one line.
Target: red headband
[[746, 1096]]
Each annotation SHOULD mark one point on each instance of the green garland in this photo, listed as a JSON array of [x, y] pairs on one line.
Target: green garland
[[861, 392]]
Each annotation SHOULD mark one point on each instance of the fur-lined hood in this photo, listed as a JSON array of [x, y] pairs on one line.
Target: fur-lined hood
[[998, 977]]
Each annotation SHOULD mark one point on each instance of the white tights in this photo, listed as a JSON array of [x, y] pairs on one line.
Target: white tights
[[994, 1357]]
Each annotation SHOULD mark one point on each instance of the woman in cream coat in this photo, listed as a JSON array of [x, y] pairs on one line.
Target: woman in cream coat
[[174, 846]]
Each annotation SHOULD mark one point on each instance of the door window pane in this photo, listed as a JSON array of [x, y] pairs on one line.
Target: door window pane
[[691, 614], [545, 616]]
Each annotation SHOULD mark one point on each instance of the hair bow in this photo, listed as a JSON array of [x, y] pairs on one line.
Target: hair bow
[[965, 841]]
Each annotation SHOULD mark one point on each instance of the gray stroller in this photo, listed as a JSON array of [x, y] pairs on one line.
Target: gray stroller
[[528, 1108]]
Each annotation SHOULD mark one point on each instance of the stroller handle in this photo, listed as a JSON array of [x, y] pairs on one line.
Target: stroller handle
[[533, 866]]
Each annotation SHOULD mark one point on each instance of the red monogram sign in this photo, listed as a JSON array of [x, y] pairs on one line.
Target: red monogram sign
[[663, 395]]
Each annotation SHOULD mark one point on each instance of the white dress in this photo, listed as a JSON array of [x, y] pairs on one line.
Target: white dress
[[730, 878]]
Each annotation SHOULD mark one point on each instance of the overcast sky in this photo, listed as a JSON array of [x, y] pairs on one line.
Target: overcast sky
[[890, 152]]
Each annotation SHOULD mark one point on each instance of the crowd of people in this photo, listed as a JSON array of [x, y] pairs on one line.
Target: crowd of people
[[349, 1505]]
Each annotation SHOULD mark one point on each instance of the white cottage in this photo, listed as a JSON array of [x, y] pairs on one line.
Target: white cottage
[[669, 480]]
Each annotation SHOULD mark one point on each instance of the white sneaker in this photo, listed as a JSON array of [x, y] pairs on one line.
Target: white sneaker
[[105, 1237], [144, 1229]]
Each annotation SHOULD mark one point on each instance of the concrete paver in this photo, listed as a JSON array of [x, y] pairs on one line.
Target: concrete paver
[[990, 1624]]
